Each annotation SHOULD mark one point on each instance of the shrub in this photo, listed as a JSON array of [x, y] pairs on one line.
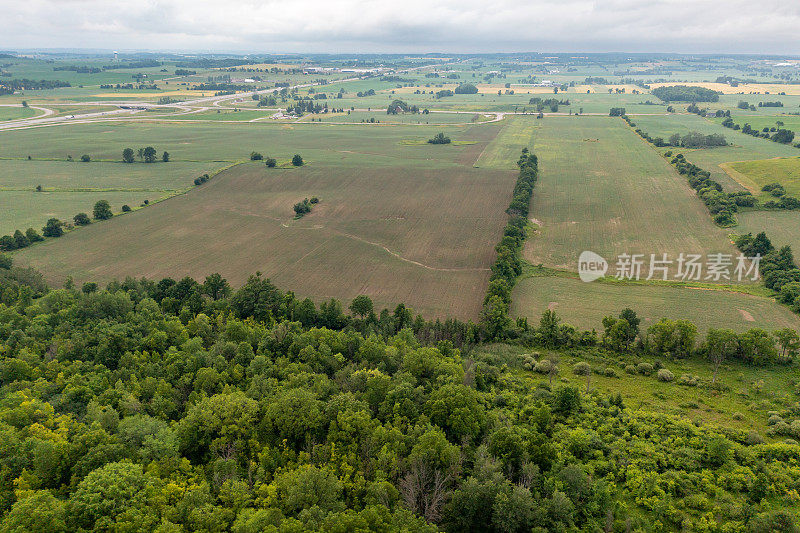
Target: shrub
[[774, 420], [644, 369], [297, 160], [753, 438], [630, 369], [610, 372], [85, 158], [271, 162], [439, 138], [126, 208], [665, 375], [255, 156], [543, 366], [581, 369], [81, 219], [689, 381]]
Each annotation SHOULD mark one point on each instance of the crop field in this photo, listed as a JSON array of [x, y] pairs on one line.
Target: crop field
[[759, 122], [423, 236], [782, 227], [201, 141], [504, 150], [584, 304], [602, 188]]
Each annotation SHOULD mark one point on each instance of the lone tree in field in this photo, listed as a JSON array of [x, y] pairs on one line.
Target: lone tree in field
[[102, 210], [165, 157], [81, 219], [255, 156], [271, 162], [297, 160], [127, 155]]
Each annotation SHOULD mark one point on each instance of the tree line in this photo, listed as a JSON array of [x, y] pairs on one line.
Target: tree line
[[147, 154], [508, 264]]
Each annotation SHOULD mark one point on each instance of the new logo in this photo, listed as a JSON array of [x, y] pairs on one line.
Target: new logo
[[591, 266]]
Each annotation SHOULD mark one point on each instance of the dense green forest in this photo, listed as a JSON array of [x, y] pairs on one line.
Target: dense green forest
[[185, 406]]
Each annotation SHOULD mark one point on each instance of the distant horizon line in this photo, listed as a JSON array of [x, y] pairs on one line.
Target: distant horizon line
[[112, 51]]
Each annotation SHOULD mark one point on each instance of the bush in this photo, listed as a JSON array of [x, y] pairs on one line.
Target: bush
[[85, 158], [5, 262], [665, 375], [439, 138], [271, 162], [610, 372], [126, 208], [630, 369], [255, 156], [297, 160], [81, 219], [644, 369], [581, 369], [543, 366], [774, 420], [689, 381]]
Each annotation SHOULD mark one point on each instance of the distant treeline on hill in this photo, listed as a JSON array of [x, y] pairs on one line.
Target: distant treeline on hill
[[685, 93], [145, 63], [22, 84], [214, 63], [79, 70]]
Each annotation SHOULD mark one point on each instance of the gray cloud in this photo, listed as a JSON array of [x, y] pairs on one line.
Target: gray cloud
[[409, 26]]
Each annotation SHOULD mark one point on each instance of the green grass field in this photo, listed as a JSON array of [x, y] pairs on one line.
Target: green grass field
[[602, 188], [756, 174], [73, 187], [584, 304], [13, 113]]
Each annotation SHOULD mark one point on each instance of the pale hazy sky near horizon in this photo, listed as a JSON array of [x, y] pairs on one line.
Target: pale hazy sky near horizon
[[346, 26]]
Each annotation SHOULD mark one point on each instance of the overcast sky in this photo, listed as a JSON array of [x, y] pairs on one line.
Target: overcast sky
[[695, 26]]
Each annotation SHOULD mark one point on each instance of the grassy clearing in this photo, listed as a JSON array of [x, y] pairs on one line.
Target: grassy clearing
[[584, 304], [602, 188], [785, 171], [752, 392], [376, 231]]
